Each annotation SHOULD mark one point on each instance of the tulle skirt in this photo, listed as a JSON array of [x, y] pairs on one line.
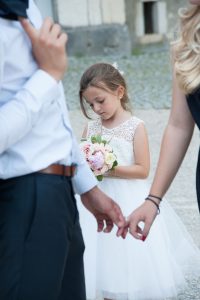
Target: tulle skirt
[[130, 269]]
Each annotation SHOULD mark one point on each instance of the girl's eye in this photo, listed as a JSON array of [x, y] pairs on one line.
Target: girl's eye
[[101, 101]]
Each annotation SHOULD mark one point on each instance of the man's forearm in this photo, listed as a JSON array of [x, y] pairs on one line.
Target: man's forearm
[[18, 115]]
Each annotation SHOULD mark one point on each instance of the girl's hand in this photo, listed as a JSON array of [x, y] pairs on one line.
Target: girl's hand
[[110, 173]]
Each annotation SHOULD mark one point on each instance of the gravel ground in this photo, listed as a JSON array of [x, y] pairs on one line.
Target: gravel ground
[[148, 74]]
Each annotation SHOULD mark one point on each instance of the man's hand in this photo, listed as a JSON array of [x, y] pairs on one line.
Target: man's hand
[[49, 47], [105, 210], [145, 213]]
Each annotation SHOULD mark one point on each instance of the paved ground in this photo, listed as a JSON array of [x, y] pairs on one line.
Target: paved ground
[[148, 76], [149, 79]]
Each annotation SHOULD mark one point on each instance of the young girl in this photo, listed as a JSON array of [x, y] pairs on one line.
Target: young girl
[[129, 269]]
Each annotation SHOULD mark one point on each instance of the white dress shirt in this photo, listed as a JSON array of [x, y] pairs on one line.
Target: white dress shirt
[[35, 130]]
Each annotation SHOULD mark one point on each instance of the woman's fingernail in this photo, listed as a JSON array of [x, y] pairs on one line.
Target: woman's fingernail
[[144, 238]]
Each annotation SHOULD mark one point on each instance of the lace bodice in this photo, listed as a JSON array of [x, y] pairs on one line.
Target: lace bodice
[[121, 137]]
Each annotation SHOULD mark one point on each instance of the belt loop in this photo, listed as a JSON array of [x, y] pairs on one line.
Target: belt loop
[[63, 167], [74, 168], [71, 170]]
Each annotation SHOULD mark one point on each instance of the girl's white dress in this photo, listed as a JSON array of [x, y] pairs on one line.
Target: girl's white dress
[[130, 269]]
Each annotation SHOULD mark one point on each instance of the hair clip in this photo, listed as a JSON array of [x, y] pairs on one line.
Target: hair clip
[[115, 65]]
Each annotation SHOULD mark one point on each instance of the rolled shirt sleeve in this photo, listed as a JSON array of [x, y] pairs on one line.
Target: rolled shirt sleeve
[[84, 180]]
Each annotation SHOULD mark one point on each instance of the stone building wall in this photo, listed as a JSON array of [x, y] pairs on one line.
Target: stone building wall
[[95, 26], [152, 21], [103, 27], [172, 14]]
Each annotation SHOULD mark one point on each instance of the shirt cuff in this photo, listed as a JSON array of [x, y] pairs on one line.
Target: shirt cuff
[[84, 180], [42, 86]]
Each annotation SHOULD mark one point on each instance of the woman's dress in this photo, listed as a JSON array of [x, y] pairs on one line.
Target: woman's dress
[[193, 101]]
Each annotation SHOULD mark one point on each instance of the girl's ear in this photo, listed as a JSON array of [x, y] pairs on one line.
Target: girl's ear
[[120, 91]]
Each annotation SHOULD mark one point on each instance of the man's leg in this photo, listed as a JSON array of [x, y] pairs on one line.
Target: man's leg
[[74, 269], [37, 219]]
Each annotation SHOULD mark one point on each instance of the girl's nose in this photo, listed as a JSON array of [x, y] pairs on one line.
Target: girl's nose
[[96, 107]]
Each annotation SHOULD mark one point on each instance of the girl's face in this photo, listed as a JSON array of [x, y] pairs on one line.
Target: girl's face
[[104, 103], [194, 2]]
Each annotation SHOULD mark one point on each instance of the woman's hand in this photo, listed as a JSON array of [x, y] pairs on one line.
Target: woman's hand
[[145, 213]]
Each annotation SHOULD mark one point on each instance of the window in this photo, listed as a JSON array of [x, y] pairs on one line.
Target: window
[[149, 17]]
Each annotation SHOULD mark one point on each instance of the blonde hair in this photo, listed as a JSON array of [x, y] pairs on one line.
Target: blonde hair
[[186, 50]]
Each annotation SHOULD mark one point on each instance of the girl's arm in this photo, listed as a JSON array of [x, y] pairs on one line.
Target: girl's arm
[[174, 145], [140, 168]]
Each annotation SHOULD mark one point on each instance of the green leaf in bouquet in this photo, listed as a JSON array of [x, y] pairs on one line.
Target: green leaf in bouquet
[[93, 139], [114, 164], [99, 177], [104, 142], [98, 139]]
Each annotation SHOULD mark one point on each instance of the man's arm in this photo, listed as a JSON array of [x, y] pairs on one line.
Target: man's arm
[[105, 210], [18, 115], [100, 205]]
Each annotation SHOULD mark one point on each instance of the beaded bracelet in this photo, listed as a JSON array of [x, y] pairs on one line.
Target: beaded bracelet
[[154, 202], [156, 197]]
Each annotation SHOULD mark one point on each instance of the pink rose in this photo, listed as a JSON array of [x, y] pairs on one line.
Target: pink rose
[[97, 160], [86, 148]]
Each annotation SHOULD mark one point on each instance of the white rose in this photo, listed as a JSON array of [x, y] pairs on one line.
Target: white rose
[[110, 158]]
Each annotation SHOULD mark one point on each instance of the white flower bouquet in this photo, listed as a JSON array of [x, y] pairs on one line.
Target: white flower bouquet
[[99, 155]]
